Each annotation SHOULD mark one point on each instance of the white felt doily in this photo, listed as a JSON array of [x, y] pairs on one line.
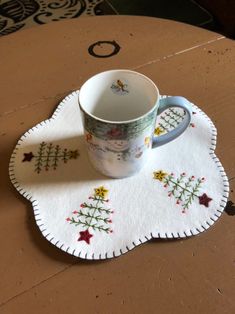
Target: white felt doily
[[181, 192]]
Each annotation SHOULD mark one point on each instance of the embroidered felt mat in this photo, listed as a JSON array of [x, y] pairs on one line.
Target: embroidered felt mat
[[181, 192]]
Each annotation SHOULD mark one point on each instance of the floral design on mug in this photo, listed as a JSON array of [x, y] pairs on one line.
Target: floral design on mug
[[147, 141], [120, 87], [88, 137]]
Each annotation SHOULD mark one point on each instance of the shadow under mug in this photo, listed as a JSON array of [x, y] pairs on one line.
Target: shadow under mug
[[119, 110]]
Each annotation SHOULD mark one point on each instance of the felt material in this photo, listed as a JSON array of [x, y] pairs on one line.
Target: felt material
[[181, 191]]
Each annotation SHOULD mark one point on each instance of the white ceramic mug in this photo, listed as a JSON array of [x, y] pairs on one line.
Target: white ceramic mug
[[119, 110]]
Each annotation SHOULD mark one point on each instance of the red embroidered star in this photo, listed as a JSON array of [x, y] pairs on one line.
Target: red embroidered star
[[85, 236], [28, 156], [204, 200]]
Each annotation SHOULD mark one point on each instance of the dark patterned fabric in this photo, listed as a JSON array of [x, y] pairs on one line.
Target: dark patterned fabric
[[19, 14]]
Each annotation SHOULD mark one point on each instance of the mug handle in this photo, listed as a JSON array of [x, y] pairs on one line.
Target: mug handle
[[169, 102]]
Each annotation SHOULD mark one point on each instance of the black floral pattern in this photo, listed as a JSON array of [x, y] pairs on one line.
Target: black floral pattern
[[33, 12], [18, 10]]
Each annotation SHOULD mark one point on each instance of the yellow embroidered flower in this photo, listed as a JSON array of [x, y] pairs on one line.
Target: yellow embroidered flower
[[73, 154], [158, 131], [159, 175], [147, 141], [101, 191]]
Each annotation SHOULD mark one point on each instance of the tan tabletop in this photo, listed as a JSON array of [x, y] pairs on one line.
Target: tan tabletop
[[39, 66]]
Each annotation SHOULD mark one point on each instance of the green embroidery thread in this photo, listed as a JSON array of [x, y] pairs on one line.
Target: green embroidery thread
[[48, 156], [184, 189], [170, 120], [93, 215]]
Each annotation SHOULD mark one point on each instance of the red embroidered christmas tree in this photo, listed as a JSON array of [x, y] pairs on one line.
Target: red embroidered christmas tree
[[184, 189], [93, 215]]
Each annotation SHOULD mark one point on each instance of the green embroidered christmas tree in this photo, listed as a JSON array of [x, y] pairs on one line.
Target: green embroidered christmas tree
[[184, 189], [169, 120], [49, 156], [93, 215]]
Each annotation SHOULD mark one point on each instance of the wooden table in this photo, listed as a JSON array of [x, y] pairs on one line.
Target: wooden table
[[39, 66]]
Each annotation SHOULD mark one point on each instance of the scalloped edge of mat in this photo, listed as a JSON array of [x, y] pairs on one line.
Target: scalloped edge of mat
[[145, 238]]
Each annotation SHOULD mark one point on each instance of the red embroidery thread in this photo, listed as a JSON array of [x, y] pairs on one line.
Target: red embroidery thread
[[184, 189], [93, 215]]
